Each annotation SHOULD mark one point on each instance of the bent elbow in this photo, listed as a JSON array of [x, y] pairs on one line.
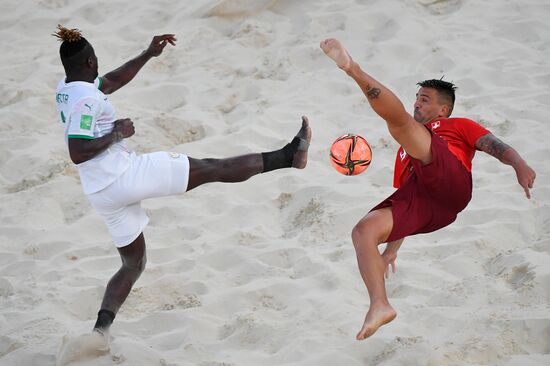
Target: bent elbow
[[77, 158]]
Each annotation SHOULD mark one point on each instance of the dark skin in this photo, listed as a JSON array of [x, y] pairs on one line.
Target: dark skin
[[80, 150], [201, 171]]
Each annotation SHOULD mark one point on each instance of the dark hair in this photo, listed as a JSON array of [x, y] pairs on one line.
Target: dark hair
[[445, 90], [74, 49]]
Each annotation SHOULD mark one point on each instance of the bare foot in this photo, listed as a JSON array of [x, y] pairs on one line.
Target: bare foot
[[334, 49], [376, 317], [300, 157]]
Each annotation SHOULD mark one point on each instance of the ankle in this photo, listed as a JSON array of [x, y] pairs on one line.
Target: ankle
[[281, 158], [104, 320]]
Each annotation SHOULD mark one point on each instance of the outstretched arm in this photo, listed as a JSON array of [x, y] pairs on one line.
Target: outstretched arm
[[121, 76], [492, 145]]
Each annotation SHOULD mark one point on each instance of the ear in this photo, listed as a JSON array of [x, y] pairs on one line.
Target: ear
[[90, 62], [445, 110]]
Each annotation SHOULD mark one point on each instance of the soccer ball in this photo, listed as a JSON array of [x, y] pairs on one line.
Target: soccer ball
[[350, 154]]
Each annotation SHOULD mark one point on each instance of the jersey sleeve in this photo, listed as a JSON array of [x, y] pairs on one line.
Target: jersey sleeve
[[97, 82], [471, 131], [83, 118]]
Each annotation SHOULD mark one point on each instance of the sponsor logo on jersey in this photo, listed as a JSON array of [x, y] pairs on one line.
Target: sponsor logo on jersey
[[86, 122], [174, 155], [436, 125], [402, 155]]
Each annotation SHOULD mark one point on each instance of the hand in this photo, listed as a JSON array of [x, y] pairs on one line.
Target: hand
[[389, 256], [159, 42], [526, 176], [124, 128]]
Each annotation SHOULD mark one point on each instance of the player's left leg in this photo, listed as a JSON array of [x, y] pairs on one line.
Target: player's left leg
[[369, 232], [240, 168]]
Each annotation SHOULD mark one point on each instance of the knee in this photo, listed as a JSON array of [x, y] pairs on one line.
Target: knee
[[360, 233], [136, 265], [367, 232]]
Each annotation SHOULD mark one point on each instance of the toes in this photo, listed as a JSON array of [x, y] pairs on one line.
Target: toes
[[305, 122]]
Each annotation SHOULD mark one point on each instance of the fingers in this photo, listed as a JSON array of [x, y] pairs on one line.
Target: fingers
[[393, 270], [170, 38], [527, 193]]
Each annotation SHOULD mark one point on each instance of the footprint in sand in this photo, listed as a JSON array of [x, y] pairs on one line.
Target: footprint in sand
[[239, 8], [82, 348], [514, 269], [441, 7]]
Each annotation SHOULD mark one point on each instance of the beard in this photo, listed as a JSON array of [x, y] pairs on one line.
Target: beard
[[418, 117]]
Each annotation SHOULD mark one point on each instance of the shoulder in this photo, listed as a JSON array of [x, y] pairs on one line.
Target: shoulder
[[459, 120], [464, 124]]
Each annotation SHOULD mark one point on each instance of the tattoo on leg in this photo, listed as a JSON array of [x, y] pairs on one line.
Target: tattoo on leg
[[373, 93]]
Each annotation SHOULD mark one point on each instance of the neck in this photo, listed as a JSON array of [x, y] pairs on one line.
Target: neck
[[79, 77]]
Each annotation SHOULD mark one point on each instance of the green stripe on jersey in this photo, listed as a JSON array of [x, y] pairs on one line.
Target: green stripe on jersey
[[80, 137], [100, 82]]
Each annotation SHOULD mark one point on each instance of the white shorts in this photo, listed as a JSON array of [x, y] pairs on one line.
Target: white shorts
[[150, 175]]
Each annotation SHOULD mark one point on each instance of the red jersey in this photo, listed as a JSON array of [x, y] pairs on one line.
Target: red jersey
[[461, 135]]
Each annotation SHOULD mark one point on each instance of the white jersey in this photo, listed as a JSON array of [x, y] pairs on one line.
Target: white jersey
[[87, 114]]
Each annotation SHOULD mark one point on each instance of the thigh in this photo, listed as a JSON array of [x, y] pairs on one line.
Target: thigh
[[415, 139], [151, 175]]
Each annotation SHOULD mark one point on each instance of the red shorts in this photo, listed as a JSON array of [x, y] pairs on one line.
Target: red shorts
[[432, 196]]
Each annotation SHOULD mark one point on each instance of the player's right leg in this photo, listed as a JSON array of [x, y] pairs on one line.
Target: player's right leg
[[133, 263], [411, 135], [240, 168]]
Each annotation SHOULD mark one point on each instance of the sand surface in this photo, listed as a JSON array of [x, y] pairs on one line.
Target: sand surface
[[264, 272]]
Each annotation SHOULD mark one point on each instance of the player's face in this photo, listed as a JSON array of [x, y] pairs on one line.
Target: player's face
[[427, 106]]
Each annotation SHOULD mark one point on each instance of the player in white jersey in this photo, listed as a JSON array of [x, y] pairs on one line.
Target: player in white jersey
[[115, 179]]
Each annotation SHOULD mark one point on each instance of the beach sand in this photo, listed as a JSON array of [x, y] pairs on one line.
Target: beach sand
[[264, 272]]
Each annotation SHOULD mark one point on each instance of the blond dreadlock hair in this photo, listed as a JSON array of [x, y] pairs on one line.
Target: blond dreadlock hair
[[74, 49], [67, 35]]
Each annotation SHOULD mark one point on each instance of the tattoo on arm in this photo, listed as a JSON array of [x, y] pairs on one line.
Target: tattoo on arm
[[492, 146], [372, 93]]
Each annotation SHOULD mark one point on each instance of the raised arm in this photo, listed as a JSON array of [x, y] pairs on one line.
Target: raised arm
[[493, 146], [119, 77]]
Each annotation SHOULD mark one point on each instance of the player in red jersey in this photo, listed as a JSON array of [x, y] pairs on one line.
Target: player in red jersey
[[433, 175]]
